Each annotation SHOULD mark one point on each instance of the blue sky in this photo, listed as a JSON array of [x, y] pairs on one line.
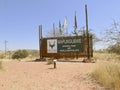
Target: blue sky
[[19, 19]]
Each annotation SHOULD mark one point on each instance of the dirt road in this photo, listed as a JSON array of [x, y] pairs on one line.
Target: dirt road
[[40, 76]]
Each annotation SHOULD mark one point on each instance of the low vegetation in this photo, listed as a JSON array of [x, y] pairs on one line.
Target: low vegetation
[[108, 73], [114, 48], [108, 76], [106, 56], [49, 61], [2, 56], [1, 67], [20, 54]]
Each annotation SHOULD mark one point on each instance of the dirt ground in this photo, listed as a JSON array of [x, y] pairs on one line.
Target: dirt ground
[[40, 76]]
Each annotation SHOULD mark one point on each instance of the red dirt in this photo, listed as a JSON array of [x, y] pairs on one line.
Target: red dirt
[[40, 76]]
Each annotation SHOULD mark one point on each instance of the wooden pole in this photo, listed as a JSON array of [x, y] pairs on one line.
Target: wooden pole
[[87, 32], [39, 44], [5, 48], [75, 26], [53, 30], [40, 41]]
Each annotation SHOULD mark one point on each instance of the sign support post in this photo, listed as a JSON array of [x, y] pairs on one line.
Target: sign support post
[[40, 41], [87, 32]]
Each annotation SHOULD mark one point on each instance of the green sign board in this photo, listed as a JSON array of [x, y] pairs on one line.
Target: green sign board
[[69, 45]]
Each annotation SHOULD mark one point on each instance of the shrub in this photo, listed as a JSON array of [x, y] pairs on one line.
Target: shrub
[[2, 56], [19, 54], [114, 48], [49, 61], [1, 65]]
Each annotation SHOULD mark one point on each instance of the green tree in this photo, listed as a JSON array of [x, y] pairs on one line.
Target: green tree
[[19, 54], [114, 48]]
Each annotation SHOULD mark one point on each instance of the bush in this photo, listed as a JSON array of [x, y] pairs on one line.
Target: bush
[[50, 61], [20, 54], [2, 56], [1, 65], [114, 48]]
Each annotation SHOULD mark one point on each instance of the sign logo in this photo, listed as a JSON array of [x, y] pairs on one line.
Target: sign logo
[[52, 46]]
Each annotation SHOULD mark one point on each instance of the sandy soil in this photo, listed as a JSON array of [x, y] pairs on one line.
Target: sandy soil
[[40, 76]]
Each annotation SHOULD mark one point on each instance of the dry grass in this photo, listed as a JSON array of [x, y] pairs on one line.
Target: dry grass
[[1, 67], [108, 74], [49, 61], [33, 54], [24, 59], [107, 56]]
